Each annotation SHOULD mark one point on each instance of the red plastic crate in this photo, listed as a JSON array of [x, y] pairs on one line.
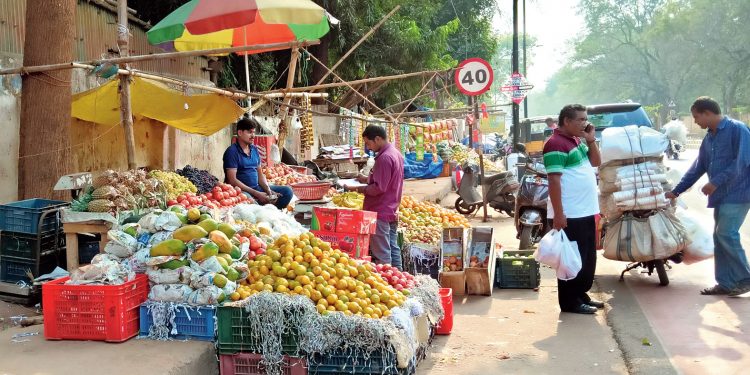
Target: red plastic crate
[[446, 325], [249, 364], [93, 312]]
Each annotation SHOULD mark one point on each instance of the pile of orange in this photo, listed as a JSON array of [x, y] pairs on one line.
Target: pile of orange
[[307, 266], [420, 216]]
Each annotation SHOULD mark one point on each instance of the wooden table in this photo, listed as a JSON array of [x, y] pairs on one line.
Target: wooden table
[[325, 162], [100, 227]]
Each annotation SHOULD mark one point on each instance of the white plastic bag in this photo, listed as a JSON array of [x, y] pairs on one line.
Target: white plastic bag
[[628, 142], [701, 245], [275, 154], [550, 248], [570, 259]]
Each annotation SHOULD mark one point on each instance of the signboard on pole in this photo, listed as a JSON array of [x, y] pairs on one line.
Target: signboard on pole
[[516, 87], [473, 76]]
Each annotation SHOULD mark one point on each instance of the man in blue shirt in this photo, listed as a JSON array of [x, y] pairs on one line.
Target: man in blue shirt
[[725, 155], [242, 168]]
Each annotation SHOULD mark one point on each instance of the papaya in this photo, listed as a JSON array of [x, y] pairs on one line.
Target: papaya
[[223, 262], [227, 257], [193, 215], [183, 218], [221, 297], [189, 233], [221, 239], [168, 247], [174, 264], [132, 231], [220, 280], [227, 229], [204, 217], [232, 274], [235, 253], [177, 209], [209, 225], [206, 251]]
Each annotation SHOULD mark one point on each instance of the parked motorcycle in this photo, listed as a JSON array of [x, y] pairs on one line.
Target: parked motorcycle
[[531, 203], [500, 188], [673, 150]]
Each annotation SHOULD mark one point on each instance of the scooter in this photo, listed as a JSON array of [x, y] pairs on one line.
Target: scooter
[[673, 149], [531, 203], [500, 189]]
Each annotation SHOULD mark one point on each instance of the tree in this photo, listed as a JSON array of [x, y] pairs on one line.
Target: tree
[[44, 147]]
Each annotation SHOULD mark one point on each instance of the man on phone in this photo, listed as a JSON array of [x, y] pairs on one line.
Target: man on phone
[[570, 156]]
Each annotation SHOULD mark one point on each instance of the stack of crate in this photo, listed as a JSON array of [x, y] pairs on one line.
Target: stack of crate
[[31, 242]]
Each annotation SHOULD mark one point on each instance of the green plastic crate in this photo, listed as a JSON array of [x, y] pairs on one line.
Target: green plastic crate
[[235, 335], [520, 272]]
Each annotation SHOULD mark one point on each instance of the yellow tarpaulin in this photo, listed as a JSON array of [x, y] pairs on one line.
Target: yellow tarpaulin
[[203, 114]]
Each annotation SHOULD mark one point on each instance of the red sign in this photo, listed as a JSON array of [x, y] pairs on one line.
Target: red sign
[[473, 76], [516, 87]]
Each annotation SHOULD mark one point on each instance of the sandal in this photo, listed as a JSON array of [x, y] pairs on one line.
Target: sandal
[[715, 291], [740, 290]]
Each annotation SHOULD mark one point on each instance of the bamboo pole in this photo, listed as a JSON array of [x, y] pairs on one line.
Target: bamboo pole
[[357, 82], [157, 56], [284, 131], [126, 111], [360, 41], [415, 97]]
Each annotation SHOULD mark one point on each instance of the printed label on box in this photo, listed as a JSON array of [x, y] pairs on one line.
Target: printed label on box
[[324, 219], [356, 221], [356, 245]]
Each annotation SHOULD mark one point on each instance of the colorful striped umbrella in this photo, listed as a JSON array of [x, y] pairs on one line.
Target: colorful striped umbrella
[[211, 24]]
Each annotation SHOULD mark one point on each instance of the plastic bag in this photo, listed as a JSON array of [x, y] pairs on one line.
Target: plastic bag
[[120, 244], [275, 154], [550, 248], [160, 220], [166, 276], [170, 292], [701, 242], [205, 296], [570, 259]]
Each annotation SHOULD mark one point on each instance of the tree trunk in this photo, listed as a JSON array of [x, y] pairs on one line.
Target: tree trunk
[[44, 142]]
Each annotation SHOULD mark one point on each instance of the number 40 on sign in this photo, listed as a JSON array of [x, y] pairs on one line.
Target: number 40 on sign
[[473, 76]]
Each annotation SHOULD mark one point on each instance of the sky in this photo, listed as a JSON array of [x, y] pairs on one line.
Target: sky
[[553, 23]]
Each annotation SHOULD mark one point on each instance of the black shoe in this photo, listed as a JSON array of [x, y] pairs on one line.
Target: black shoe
[[582, 309], [595, 303]]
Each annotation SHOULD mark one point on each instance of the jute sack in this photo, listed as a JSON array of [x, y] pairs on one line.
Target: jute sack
[[628, 238]]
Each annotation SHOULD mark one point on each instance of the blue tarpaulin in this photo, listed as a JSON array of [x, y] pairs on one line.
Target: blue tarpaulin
[[426, 168]]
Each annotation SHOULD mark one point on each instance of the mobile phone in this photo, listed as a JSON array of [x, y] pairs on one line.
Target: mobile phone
[[588, 128]]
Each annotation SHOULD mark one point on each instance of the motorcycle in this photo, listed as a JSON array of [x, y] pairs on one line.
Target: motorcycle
[[502, 148], [673, 150], [531, 203], [500, 189]]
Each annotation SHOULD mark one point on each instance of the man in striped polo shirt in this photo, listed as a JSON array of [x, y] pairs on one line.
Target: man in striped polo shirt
[[570, 156]]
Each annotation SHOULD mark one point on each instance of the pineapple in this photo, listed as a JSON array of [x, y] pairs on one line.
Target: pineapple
[[105, 192], [100, 205]]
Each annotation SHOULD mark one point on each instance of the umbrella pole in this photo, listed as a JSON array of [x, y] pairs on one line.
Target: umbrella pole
[[284, 131], [126, 111], [247, 70]]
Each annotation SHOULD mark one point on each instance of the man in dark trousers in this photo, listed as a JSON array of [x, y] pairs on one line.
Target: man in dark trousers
[[570, 156], [383, 195], [725, 156]]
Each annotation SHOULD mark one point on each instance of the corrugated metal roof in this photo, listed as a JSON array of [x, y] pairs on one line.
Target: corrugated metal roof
[[96, 38]]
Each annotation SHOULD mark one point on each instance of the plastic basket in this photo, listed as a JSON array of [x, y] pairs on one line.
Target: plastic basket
[[16, 269], [311, 191], [93, 312], [249, 364], [31, 216], [446, 299], [301, 169], [343, 361], [28, 246], [517, 273], [191, 323], [234, 334]]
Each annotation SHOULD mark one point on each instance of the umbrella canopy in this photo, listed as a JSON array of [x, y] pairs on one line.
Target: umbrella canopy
[[211, 24]]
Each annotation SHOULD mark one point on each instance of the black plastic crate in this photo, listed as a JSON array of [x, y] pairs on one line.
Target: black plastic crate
[[31, 216], [28, 246], [88, 247], [350, 361], [518, 271], [14, 269]]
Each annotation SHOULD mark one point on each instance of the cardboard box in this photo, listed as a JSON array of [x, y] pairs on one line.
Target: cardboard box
[[264, 143], [324, 219], [480, 272], [453, 248], [356, 221], [456, 280], [356, 245]]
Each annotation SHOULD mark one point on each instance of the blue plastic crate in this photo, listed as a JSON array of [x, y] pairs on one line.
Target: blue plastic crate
[[28, 246], [15, 269], [348, 361], [193, 323], [24, 216], [88, 247]]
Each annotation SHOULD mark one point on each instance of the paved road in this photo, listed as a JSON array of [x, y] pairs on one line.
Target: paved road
[[700, 334]]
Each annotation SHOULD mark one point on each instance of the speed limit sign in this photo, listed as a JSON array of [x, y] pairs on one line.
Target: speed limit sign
[[473, 76]]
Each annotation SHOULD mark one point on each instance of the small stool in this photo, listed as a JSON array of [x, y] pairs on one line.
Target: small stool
[[71, 230]]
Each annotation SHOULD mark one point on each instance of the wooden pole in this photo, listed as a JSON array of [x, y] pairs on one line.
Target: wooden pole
[[126, 112], [158, 56], [360, 41], [414, 98], [343, 83], [289, 83], [481, 161]]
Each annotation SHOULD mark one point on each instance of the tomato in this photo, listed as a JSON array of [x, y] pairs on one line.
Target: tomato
[[171, 202], [208, 195], [225, 187], [216, 189], [181, 197]]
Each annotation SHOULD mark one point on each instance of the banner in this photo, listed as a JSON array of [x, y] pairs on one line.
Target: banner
[[493, 124]]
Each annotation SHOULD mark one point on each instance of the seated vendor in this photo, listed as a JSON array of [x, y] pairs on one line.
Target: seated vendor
[[242, 167]]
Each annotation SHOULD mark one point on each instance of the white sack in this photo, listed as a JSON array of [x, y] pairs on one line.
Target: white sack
[[170, 293], [701, 241], [630, 142], [637, 193]]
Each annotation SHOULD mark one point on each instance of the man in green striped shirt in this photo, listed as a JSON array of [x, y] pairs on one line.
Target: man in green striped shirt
[[570, 156]]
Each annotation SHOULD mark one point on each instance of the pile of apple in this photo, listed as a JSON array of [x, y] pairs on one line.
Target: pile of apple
[[222, 195], [257, 245], [396, 278], [282, 174]]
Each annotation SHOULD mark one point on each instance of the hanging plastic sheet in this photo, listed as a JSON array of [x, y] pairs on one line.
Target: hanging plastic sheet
[[426, 168]]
